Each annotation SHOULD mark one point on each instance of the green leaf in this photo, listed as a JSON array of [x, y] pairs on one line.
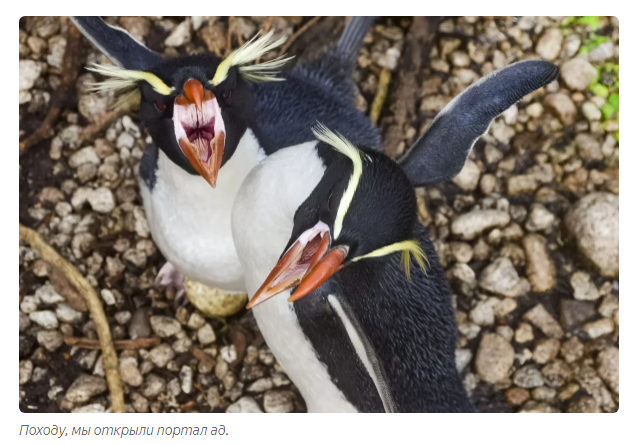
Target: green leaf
[[599, 90], [568, 21], [584, 50], [617, 136], [590, 20], [613, 100], [608, 111]]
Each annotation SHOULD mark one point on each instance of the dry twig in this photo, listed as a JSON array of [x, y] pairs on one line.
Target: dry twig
[[110, 361], [298, 33], [381, 95], [104, 121], [71, 64], [124, 344]]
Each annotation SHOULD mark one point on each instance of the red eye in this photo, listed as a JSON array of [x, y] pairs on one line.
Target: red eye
[[160, 105], [226, 94]]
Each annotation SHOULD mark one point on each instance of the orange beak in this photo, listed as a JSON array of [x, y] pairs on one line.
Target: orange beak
[[308, 263], [200, 129]]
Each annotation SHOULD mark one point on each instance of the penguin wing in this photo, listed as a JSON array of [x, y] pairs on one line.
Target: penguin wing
[[440, 153], [117, 44]]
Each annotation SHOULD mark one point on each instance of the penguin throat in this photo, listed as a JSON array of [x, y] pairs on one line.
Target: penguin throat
[[198, 127]]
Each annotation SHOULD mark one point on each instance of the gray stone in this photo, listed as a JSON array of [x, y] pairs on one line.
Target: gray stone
[[570, 46], [562, 106], [468, 178], [588, 147], [261, 385], [48, 295], [594, 224], [539, 219], [494, 358], [463, 358], [608, 367], [540, 268], [161, 355], [65, 313], [101, 200], [185, 375], [85, 387], [26, 369], [603, 51], [528, 377], [206, 335], [83, 156], [46, 319], [500, 277], [50, 339], [28, 73], [599, 328], [574, 313], [549, 44], [545, 350], [591, 111], [583, 287], [180, 35], [469, 226], [578, 73], [278, 401], [540, 318], [245, 404], [152, 386], [129, 371], [165, 326]]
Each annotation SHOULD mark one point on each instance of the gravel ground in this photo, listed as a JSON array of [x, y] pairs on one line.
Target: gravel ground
[[527, 233]]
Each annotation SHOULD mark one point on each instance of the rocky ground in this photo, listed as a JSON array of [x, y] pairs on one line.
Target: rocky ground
[[528, 232]]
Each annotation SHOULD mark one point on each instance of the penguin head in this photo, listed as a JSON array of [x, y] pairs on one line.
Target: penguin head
[[363, 207], [196, 108]]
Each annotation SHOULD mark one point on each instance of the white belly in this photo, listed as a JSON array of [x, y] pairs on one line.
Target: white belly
[[191, 222], [262, 225]]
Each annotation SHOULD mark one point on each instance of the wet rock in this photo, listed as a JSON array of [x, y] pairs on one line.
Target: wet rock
[[608, 367], [594, 224], [599, 328], [574, 313], [278, 401], [540, 318], [468, 178], [85, 387], [165, 326], [528, 377], [549, 44], [540, 268], [562, 106], [245, 404], [578, 73], [500, 277], [494, 358], [469, 226], [583, 287]]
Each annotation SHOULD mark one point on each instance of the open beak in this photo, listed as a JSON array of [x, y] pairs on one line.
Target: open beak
[[199, 129], [307, 263]]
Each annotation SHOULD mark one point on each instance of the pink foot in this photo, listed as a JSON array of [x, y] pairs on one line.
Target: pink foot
[[169, 275]]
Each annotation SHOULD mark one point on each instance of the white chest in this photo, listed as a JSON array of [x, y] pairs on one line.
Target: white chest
[[262, 225], [191, 222]]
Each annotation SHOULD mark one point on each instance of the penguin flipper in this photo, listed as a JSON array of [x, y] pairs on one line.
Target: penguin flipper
[[117, 44], [440, 153], [352, 37]]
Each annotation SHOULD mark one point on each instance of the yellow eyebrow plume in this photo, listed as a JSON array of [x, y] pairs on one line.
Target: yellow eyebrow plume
[[250, 51], [342, 145], [119, 79], [408, 248]]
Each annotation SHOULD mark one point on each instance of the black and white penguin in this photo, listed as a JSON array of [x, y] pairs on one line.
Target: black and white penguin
[[364, 331], [216, 119]]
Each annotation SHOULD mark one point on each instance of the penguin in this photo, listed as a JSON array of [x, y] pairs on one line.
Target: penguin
[[215, 119], [347, 287]]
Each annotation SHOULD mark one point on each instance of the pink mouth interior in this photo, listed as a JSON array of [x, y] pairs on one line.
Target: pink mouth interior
[[200, 136], [300, 266]]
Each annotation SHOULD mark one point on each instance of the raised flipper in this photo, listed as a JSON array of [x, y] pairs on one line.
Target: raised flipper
[[440, 153]]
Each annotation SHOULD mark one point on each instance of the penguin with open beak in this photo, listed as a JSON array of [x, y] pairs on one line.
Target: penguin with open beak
[[213, 120], [348, 290]]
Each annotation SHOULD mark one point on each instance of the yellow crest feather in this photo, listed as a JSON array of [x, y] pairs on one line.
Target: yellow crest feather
[[408, 248], [342, 145], [120, 79], [250, 51]]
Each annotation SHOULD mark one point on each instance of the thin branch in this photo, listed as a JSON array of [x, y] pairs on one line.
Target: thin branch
[[104, 121], [124, 344], [381, 95], [71, 64], [110, 360], [298, 33]]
